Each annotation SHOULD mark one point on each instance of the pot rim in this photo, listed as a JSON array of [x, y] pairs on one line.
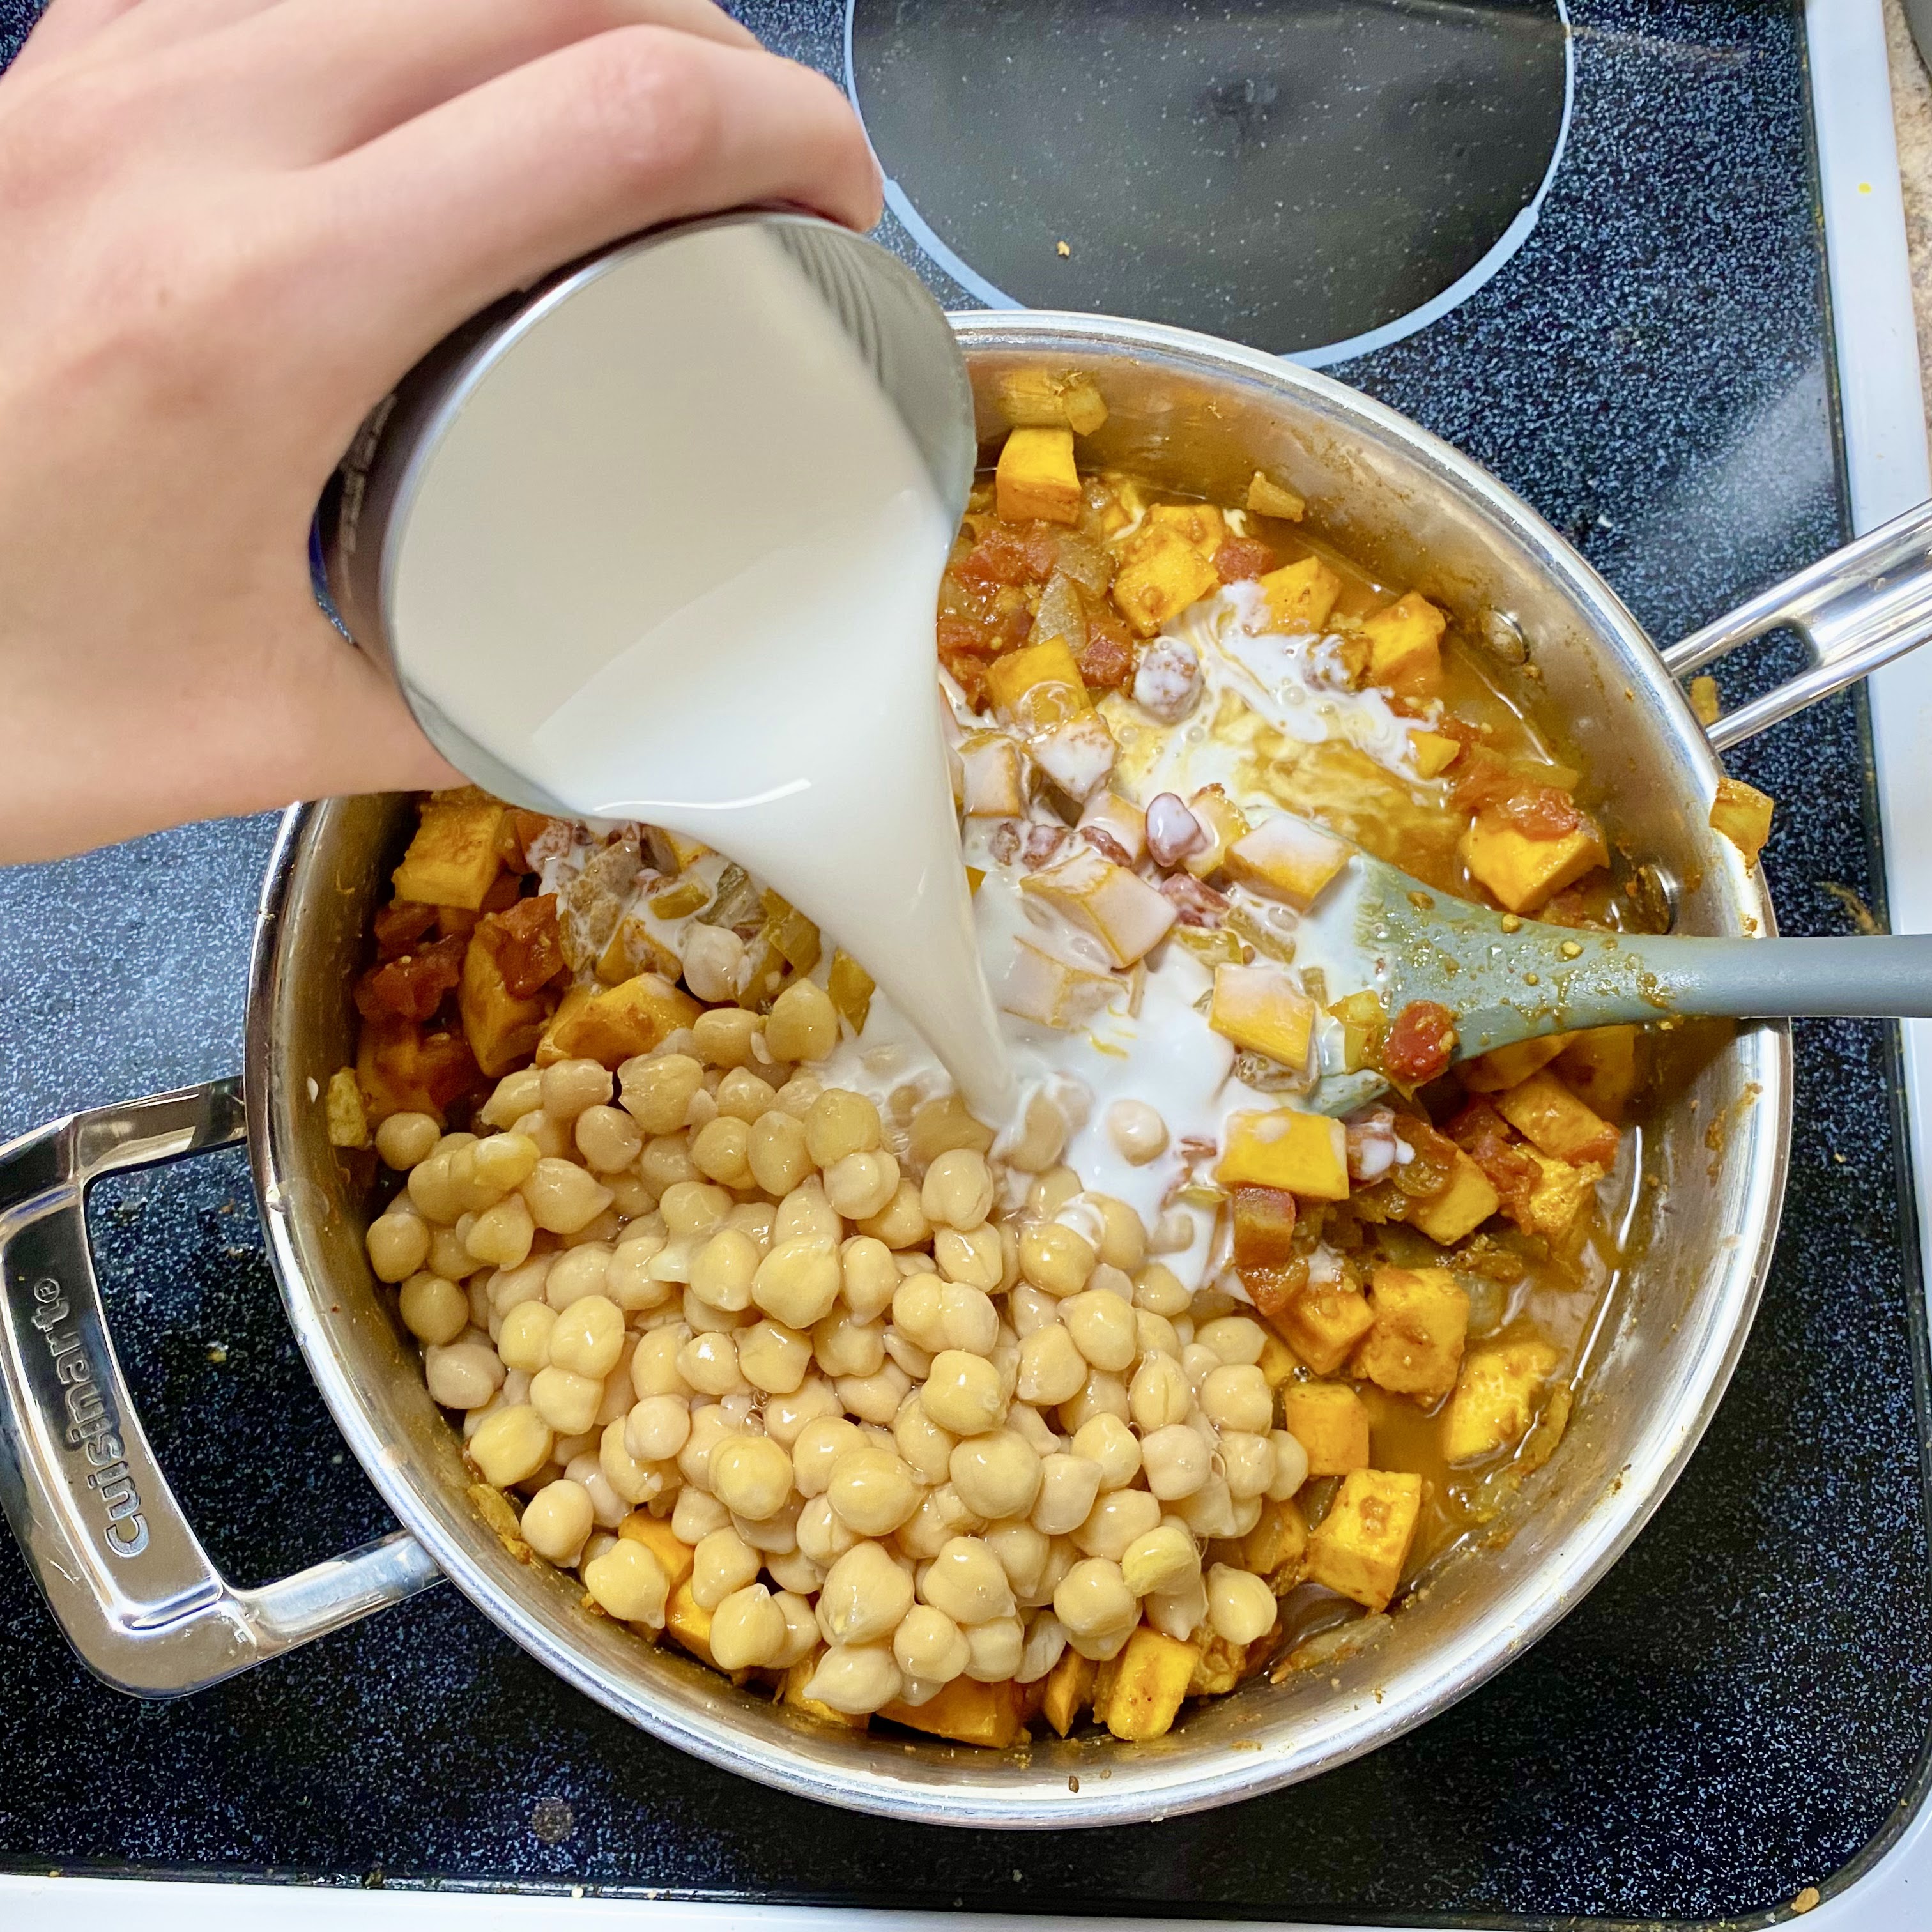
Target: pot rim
[[1148, 1785]]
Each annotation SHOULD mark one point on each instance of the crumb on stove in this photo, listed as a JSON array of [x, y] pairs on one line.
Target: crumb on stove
[[1060, 249]]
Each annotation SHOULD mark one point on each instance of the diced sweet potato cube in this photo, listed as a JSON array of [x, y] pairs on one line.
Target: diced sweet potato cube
[[1051, 992], [1306, 1153], [656, 1534], [1742, 813], [967, 1711], [1264, 1228], [1218, 1668], [1118, 906], [402, 1069], [687, 1620], [1161, 574], [343, 1110], [850, 987], [1495, 1398], [993, 769], [1287, 859], [1434, 753], [1550, 1117], [1300, 596], [1322, 1325], [1275, 1546], [1601, 1068], [1267, 498], [1043, 399], [1261, 1007], [1046, 669], [672, 852], [1154, 1674], [1462, 1207], [1077, 755], [1405, 647], [452, 860], [1037, 477], [1562, 1192], [614, 1025], [1523, 871], [1331, 1422], [791, 1694], [1278, 1362], [1121, 820], [1069, 1689], [1225, 822], [502, 1029], [1200, 523], [1359, 1547], [1421, 1319], [1504, 1066]]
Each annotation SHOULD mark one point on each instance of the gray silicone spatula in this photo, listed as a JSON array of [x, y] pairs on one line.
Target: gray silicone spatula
[[1507, 979]]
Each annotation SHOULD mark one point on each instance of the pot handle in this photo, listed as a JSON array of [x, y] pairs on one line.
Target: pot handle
[[1857, 609], [124, 1576]]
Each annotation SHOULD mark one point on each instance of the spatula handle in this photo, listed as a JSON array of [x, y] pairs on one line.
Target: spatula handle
[[1887, 977]]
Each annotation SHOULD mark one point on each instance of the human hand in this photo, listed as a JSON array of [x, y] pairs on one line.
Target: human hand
[[229, 227]]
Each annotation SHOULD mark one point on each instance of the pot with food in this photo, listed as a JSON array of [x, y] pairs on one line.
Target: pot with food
[[1168, 1442]]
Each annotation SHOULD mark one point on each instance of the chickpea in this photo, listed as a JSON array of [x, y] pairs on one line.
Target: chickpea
[[723, 1036], [1108, 1441], [1045, 1645], [786, 1415], [569, 1086], [1237, 1396], [1023, 1552], [871, 1490], [865, 1596], [1178, 1613], [1042, 1137], [655, 1090], [805, 1214], [579, 1274], [868, 1278], [695, 1207], [862, 1185], [875, 1398], [750, 1475], [654, 1370], [753, 1219], [433, 1309], [431, 1192], [1156, 1335], [1138, 1133], [666, 1161], [822, 1536], [743, 1096], [709, 1363], [722, 1271], [464, 1375], [588, 1337], [929, 1645], [561, 1197], [841, 1122], [1052, 1191], [1055, 1258], [524, 1342], [901, 1223], [995, 1648], [819, 1444], [1028, 1310], [801, 1636], [449, 1254], [551, 1140], [1102, 1328], [919, 1311], [748, 1630], [1247, 1461], [1094, 1598], [723, 1562], [798, 1281], [803, 1023], [513, 1096], [958, 1190], [926, 1448], [1123, 1243], [964, 1394], [1235, 1338], [997, 1475], [608, 1138], [695, 1516], [1210, 1511], [1159, 1396], [629, 1583], [1177, 1460], [776, 1151], [403, 1139], [1291, 1465], [774, 1358], [568, 1401], [557, 1520], [511, 1446], [397, 1242], [974, 1255], [656, 1428], [847, 1347], [1199, 1362], [1240, 1606], [1101, 1394], [795, 1096], [1038, 1432], [1060, 1557], [1116, 1519], [855, 1679], [1164, 1558], [966, 1581], [722, 1151], [633, 1480], [1158, 1289]]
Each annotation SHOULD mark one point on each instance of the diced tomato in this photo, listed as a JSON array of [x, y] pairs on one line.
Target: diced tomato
[[412, 987], [1194, 903], [1540, 811], [1240, 558], [1417, 1047], [447, 1068], [524, 939], [1010, 553], [400, 925], [1490, 1140], [964, 651], [1106, 661]]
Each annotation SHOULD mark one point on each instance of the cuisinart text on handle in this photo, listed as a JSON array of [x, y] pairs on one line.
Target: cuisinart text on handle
[[90, 1427]]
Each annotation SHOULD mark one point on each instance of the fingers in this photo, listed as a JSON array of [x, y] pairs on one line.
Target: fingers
[[490, 190], [66, 26], [309, 79]]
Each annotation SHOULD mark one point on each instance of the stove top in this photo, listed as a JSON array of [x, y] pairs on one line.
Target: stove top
[[1742, 1707]]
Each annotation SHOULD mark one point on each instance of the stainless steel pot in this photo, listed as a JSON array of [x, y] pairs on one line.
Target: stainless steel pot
[[132, 1587]]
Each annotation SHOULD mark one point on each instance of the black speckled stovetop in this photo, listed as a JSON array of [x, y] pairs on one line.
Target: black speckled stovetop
[[1734, 1714]]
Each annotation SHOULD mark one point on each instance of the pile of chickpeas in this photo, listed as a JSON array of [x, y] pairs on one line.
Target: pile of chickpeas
[[916, 1414]]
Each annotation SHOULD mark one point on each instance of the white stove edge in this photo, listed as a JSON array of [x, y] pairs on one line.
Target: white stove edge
[[1886, 462]]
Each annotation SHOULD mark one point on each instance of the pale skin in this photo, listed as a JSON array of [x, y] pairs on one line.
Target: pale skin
[[229, 226]]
